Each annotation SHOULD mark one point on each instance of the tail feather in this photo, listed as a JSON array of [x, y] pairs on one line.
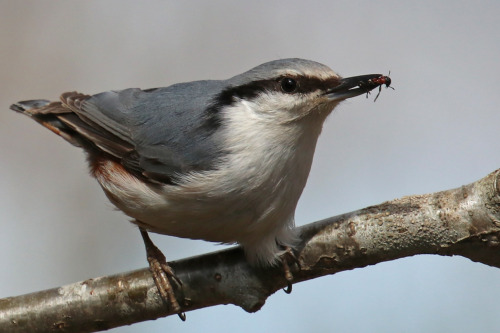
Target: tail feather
[[46, 113], [65, 118], [25, 106]]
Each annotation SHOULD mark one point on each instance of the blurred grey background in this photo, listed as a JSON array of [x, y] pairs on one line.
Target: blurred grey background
[[437, 130]]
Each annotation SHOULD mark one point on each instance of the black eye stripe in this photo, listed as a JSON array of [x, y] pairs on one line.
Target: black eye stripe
[[305, 84]]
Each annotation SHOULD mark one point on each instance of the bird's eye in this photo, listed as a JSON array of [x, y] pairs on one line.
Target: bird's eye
[[288, 85]]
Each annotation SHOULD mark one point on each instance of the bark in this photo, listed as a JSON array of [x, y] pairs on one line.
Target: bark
[[463, 221]]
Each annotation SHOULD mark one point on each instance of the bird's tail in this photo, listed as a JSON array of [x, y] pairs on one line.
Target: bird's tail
[[27, 106], [47, 114]]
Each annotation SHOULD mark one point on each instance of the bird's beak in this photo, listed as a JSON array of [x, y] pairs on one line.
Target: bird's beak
[[354, 86]]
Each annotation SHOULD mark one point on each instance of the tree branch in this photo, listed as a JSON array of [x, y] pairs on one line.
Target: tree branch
[[463, 221]]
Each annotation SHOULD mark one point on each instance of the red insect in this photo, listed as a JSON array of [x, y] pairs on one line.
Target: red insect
[[379, 81], [382, 80]]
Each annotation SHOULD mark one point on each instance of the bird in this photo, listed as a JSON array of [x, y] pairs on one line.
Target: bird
[[219, 160]]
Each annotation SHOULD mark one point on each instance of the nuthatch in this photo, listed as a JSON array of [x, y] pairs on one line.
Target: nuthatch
[[224, 161]]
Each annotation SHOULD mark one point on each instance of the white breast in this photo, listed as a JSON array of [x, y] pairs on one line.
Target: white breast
[[250, 199]]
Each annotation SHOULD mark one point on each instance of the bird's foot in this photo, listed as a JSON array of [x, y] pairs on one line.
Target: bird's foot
[[287, 258], [162, 275]]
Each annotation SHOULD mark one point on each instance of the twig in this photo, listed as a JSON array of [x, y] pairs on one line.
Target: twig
[[463, 221]]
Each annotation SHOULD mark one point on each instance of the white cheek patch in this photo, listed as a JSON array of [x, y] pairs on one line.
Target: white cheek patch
[[275, 107]]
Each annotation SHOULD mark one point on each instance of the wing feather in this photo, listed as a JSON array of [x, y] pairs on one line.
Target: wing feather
[[158, 133]]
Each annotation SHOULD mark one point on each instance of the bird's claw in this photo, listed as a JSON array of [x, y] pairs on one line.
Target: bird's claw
[[162, 274], [286, 257]]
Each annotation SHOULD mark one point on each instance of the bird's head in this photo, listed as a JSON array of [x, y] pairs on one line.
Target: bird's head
[[288, 90]]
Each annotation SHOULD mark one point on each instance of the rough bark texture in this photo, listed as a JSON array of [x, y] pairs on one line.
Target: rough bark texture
[[463, 221]]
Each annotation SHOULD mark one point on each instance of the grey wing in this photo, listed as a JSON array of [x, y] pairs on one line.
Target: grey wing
[[171, 129], [159, 133]]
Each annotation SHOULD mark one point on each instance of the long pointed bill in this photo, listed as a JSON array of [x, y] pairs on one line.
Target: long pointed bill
[[357, 85]]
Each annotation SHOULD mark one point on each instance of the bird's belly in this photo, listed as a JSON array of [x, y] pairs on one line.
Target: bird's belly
[[219, 220], [240, 217]]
